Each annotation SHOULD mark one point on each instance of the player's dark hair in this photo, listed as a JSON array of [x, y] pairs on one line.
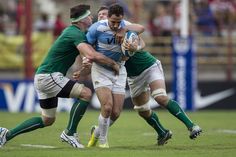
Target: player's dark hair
[[78, 10], [102, 8], [115, 9]]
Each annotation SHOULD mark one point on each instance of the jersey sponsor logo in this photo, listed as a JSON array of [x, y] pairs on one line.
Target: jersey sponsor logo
[[111, 40]]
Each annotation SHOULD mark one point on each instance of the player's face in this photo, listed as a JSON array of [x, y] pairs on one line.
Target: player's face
[[87, 21], [114, 22], [102, 14]]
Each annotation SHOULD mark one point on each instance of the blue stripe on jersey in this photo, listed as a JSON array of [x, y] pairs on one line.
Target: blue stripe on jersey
[[101, 36]]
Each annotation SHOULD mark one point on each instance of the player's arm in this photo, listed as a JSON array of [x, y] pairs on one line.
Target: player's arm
[[134, 27], [128, 27], [87, 51]]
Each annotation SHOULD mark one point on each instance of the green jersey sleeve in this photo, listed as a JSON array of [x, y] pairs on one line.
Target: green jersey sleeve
[[63, 52]]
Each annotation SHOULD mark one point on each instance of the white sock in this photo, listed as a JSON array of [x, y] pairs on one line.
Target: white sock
[[103, 124], [97, 132]]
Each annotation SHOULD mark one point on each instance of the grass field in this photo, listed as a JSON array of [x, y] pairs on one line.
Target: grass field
[[129, 137]]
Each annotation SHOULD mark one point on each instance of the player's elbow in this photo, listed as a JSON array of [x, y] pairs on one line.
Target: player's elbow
[[141, 28], [93, 58], [96, 57]]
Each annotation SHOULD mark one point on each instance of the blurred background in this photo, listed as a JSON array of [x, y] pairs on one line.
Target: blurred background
[[29, 27]]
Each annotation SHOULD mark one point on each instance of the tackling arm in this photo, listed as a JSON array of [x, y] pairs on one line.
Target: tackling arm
[[87, 51]]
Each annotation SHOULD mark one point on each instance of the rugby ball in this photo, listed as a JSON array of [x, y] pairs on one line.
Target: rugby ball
[[131, 37]]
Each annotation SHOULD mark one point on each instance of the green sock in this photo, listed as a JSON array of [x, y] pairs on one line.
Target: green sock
[[153, 121], [27, 126], [174, 108], [76, 113]]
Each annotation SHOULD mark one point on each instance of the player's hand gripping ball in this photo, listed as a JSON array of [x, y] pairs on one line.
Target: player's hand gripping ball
[[130, 43]]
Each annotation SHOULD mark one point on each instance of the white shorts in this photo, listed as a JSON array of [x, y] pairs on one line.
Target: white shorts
[[49, 85], [102, 77], [140, 83]]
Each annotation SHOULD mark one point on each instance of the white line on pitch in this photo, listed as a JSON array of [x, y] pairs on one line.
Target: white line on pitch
[[37, 146], [227, 131], [148, 133]]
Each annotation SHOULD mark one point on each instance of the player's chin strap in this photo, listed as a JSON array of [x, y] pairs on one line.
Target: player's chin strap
[[159, 92]]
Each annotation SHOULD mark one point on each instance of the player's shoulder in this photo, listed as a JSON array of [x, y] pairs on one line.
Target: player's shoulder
[[99, 26], [125, 22], [72, 31], [102, 22], [99, 23], [71, 28]]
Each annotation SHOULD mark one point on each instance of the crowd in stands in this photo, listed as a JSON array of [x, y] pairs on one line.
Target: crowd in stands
[[208, 17]]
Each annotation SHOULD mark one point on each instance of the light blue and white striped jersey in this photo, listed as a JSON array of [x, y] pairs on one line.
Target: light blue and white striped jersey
[[102, 37]]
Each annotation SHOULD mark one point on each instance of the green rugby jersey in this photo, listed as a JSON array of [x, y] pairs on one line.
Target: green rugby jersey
[[136, 64], [63, 52]]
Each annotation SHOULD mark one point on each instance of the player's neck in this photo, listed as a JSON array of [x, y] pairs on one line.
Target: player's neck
[[80, 26]]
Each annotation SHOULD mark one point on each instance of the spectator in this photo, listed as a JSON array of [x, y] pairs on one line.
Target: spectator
[[59, 26], [224, 13], [161, 22], [20, 16], [205, 20], [43, 24], [154, 30]]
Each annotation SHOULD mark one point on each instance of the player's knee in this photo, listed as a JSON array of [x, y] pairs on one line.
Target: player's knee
[[160, 96], [80, 91], [144, 114], [115, 115], [48, 116], [86, 94], [48, 121], [158, 92], [162, 100], [108, 109]]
